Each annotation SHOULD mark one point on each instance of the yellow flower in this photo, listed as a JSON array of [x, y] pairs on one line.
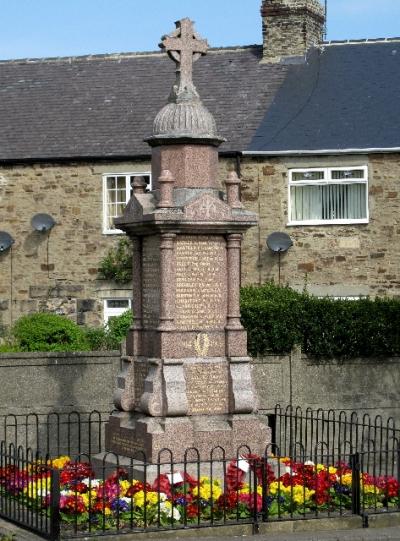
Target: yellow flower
[[370, 489], [332, 470], [124, 487], [60, 462], [37, 489], [346, 479], [278, 488], [88, 496], [246, 490], [319, 467], [206, 491], [302, 494], [151, 498]]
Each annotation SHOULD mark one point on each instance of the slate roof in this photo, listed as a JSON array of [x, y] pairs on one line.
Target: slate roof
[[347, 96], [104, 106]]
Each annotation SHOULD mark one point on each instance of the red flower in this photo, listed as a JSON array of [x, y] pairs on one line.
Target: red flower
[[120, 473], [234, 476], [250, 499], [228, 501], [192, 510]]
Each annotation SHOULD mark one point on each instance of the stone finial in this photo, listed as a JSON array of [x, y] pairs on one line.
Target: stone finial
[[233, 190], [184, 117], [138, 185], [166, 182], [184, 46]]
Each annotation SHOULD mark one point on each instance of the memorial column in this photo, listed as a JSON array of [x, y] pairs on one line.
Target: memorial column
[[167, 270], [133, 344]]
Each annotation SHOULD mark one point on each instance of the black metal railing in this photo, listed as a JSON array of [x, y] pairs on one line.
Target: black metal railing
[[29, 491], [56, 433], [319, 464]]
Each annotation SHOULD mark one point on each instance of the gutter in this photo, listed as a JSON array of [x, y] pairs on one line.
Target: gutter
[[320, 152]]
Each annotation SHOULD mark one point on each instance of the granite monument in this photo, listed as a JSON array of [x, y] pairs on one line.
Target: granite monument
[[186, 379]]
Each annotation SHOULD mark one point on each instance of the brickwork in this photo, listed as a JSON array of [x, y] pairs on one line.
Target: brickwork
[[337, 260], [343, 260], [290, 27]]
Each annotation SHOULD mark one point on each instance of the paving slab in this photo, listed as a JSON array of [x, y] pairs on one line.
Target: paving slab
[[218, 534]]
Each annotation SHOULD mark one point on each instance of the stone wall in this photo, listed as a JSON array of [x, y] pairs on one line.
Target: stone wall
[[363, 385], [46, 382], [56, 272], [336, 260], [344, 260]]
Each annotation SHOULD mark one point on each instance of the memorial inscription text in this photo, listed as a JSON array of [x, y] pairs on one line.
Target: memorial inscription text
[[151, 281], [207, 388], [200, 282]]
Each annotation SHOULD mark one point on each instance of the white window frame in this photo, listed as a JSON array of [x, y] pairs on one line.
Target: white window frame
[[112, 312], [128, 176], [327, 180]]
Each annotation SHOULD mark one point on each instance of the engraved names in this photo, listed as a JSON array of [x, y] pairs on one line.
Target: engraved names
[[140, 372], [200, 282], [151, 281], [125, 445], [207, 388]]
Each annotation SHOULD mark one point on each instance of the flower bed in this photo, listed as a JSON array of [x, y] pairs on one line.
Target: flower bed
[[277, 488]]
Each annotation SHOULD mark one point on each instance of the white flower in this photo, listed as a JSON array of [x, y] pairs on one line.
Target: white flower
[[309, 463], [166, 508], [92, 483]]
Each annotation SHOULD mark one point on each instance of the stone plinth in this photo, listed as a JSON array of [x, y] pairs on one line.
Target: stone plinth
[[186, 381], [136, 436]]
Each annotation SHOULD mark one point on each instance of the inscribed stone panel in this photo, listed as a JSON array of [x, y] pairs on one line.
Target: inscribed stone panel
[[151, 281], [140, 373], [201, 293], [207, 388]]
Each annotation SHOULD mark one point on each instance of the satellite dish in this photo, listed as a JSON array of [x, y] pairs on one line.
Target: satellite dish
[[6, 241], [42, 222], [279, 242]]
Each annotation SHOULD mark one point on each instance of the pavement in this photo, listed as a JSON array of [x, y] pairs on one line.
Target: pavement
[[359, 534]]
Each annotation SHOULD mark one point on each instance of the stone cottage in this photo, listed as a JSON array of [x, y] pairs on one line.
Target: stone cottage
[[312, 128]]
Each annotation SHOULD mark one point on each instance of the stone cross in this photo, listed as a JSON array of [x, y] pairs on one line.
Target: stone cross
[[184, 46]]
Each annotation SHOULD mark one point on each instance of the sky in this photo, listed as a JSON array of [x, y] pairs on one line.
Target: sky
[[46, 28]]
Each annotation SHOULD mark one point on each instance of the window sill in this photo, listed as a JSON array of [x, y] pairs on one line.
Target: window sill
[[329, 222], [113, 232]]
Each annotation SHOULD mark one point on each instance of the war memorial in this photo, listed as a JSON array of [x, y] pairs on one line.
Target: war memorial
[[187, 380]]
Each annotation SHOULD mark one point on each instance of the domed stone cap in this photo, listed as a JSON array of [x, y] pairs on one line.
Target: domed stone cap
[[184, 117]]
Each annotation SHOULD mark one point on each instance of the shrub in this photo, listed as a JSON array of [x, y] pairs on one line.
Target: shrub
[[49, 332], [278, 318], [111, 335], [272, 317], [117, 264], [118, 327]]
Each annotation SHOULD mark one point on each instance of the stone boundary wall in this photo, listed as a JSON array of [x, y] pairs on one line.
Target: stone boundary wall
[[363, 385], [46, 382]]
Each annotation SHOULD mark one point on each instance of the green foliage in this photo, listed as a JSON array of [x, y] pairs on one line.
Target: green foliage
[[272, 317], [278, 318], [118, 327], [117, 264], [7, 537], [48, 332], [111, 335]]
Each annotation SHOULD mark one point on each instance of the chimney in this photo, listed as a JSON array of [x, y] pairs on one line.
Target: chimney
[[291, 27]]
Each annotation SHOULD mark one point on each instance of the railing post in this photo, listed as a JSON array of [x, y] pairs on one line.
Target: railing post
[[355, 484], [55, 505]]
